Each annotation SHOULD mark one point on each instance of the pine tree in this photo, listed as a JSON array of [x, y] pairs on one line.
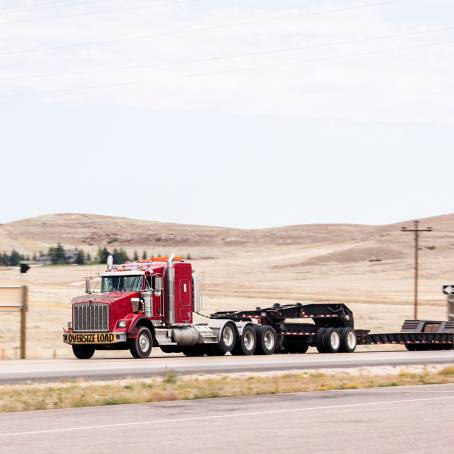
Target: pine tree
[[144, 255], [88, 259], [14, 258], [80, 257], [102, 255], [123, 256], [136, 256]]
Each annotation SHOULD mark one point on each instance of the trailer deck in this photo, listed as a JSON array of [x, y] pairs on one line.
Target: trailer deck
[[296, 334]]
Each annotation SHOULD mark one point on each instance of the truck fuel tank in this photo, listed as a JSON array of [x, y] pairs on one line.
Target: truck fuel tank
[[186, 336]]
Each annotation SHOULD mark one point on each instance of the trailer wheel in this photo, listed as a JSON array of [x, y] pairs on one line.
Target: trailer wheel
[[348, 340], [246, 343], [319, 342], [410, 347], [266, 340], [141, 346], [331, 341], [83, 351]]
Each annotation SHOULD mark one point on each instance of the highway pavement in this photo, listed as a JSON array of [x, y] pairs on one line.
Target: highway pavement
[[401, 420], [104, 369]]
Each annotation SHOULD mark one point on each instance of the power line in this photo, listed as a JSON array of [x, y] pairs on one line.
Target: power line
[[235, 24], [228, 57], [82, 14], [218, 72], [37, 6]]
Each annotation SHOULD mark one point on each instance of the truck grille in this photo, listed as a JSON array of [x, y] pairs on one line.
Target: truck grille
[[91, 317]]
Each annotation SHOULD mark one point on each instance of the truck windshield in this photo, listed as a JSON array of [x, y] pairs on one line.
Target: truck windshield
[[121, 284]]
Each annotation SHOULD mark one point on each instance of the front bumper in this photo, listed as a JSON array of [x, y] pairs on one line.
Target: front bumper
[[93, 338]]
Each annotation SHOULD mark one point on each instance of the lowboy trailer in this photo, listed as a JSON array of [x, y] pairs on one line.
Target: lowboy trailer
[[152, 302]]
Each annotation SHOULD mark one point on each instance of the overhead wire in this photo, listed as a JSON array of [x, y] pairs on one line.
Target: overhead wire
[[217, 72], [229, 57], [218, 26], [86, 13]]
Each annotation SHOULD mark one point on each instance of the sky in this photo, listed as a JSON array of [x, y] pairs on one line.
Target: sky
[[250, 113]]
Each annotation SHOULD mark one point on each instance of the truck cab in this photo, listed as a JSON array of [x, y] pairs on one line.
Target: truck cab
[[161, 293]]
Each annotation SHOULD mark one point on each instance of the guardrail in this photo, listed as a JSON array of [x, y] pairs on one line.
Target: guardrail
[[15, 299]]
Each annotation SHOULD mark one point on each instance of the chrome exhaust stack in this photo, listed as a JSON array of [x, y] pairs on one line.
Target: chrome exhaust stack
[[171, 290]]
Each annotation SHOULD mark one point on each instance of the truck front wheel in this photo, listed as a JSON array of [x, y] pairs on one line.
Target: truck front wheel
[[141, 346], [83, 351]]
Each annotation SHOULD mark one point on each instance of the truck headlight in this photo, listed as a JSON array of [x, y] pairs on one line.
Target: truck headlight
[[122, 324], [70, 325]]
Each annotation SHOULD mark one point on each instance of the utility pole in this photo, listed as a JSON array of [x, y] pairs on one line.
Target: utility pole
[[416, 230]]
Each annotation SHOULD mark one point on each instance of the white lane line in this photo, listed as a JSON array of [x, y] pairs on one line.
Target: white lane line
[[227, 415]]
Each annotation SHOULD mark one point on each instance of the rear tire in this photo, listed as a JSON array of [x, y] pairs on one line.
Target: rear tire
[[246, 343], [227, 340], [266, 340], [331, 341], [141, 346], [348, 340], [83, 351], [319, 343]]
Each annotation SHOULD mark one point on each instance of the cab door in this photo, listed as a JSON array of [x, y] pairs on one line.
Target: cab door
[[185, 306]]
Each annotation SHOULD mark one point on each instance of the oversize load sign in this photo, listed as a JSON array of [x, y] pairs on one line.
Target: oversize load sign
[[11, 299], [90, 338]]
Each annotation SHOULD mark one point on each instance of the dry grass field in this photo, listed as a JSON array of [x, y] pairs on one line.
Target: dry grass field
[[172, 387], [367, 267]]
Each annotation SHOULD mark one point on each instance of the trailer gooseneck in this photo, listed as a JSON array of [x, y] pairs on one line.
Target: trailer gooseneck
[[152, 302]]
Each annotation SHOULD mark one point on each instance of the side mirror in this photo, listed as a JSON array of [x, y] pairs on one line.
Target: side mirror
[[158, 285]]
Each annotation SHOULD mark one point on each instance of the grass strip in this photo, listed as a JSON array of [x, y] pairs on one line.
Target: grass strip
[[171, 387]]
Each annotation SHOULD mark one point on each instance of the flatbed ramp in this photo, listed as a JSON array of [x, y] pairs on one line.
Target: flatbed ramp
[[415, 335]]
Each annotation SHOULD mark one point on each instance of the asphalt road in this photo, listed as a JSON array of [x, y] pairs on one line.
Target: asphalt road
[[385, 420], [50, 370]]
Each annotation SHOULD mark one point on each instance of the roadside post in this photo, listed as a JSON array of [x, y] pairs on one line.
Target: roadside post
[[15, 299]]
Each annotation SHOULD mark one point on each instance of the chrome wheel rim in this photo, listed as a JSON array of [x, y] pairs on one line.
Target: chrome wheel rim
[[351, 340], [144, 342], [227, 336], [335, 340], [249, 340], [268, 340]]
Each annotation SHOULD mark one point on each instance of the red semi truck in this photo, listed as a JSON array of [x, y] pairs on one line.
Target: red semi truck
[[151, 303]]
